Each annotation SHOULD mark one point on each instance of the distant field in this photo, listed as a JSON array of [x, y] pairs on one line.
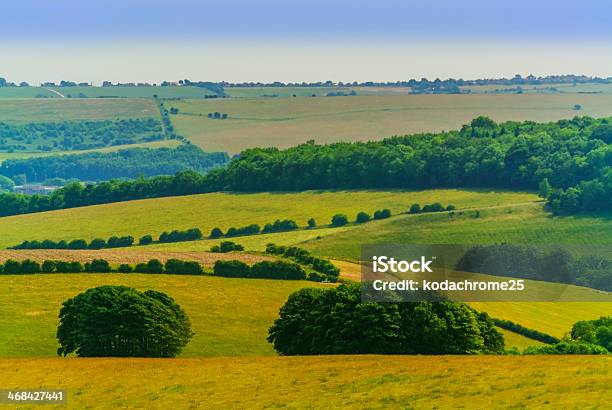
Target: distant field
[[519, 224], [282, 92], [96, 92], [284, 122], [544, 88], [75, 109], [155, 144], [230, 317], [409, 382], [225, 210]]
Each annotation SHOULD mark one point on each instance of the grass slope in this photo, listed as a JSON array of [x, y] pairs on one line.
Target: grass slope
[[75, 109], [224, 210], [409, 382], [285, 122], [230, 317]]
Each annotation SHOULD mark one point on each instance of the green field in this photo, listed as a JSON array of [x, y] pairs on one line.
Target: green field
[[230, 317], [285, 122], [325, 382], [26, 154], [106, 92], [32, 110], [225, 210]]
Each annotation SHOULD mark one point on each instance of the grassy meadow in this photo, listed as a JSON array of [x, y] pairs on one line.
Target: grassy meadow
[[230, 317], [410, 382], [285, 122], [33, 110], [224, 210]]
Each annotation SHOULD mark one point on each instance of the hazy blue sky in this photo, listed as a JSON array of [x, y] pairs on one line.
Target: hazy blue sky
[[267, 40]]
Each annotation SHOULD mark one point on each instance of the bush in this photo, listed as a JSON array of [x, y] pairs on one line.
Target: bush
[[98, 266], [451, 208], [117, 321], [435, 207], [280, 226], [414, 209], [178, 267], [339, 220], [125, 268], [597, 332], [95, 244], [382, 214], [362, 217], [277, 270], [312, 223], [77, 244], [215, 233], [232, 269], [245, 230], [145, 240], [193, 234], [226, 246], [155, 266], [567, 347], [335, 321]]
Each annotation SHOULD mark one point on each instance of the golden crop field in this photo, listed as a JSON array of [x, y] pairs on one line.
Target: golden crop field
[[326, 382], [285, 122], [224, 210]]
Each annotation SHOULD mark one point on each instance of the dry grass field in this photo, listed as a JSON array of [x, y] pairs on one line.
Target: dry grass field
[[322, 382], [285, 122]]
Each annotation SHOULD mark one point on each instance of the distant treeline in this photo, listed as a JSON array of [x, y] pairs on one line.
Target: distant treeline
[[529, 262], [569, 161], [172, 266], [327, 269], [127, 163], [78, 135]]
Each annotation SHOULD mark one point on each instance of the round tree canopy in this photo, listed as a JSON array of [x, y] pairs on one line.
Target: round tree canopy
[[118, 321]]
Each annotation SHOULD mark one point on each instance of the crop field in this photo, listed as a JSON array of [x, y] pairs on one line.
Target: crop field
[[283, 92], [224, 210], [75, 109], [230, 317], [134, 92], [414, 382], [287, 122]]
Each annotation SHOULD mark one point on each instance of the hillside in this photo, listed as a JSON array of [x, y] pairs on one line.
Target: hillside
[[285, 122], [323, 381], [224, 210]]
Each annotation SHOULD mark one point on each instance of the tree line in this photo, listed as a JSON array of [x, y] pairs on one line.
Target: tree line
[[570, 161], [302, 256], [126, 163], [552, 265]]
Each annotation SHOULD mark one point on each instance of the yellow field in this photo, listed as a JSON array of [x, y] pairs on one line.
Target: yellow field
[[284, 122], [230, 317], [224, 210], [322, 382]]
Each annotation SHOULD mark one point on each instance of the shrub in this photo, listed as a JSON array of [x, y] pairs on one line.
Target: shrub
[[96, 244], [312, 223], [280, 226], [77, 244], [125, 268], [226, 246], [48, 266], [362, 217], [29, 266], [277, 270], [414, 209], [145, 240], [382, 214], [339, 220], [98, 266], [193, 234], [567, 347], [215, 233], [232, 269], [245, 230], [451, 207], [178, 267], [117, 321], [435, 207], [155, 266], [120, 242]]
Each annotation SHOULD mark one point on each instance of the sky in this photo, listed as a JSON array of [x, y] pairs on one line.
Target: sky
[[272, 40]]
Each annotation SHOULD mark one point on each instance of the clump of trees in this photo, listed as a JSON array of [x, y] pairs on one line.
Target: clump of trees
[[260, 270], [226, 246], [339, 220], [126, 163], [566, 347], [554, 264], [192, 234], [326, 270], [217, 115], [118, 321], [336, 321], [435, 207], [284, 225], [280, 226], [598, 332]]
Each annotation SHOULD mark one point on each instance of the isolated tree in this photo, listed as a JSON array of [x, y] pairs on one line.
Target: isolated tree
[[414, 209], [362, 217], [215, 233], [312, 223], [339, 220], [118, 321]]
